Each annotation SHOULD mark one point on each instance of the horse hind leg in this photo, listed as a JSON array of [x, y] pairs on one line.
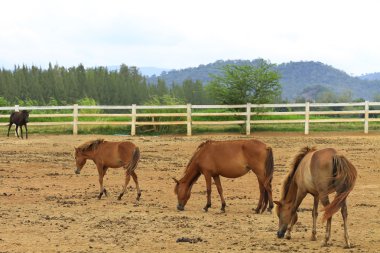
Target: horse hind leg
[[325, 202], [134, 177], [26, 131], [344, 215], [17, 131], [127, 178], [315, 215], [261, 198], [22, 136]]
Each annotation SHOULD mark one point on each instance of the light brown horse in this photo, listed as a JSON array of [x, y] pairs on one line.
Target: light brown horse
[[110, 155], [229, 159], [319, 173]]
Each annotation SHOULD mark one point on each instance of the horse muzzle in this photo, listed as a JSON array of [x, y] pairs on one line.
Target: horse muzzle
[[77, 171], [180, 207], [280, 234]]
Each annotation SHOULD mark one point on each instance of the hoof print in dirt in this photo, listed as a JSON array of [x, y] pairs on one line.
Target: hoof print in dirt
[[189, 240]]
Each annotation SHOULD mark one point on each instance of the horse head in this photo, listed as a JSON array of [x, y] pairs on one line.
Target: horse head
[[80, 160], [183, 192], [284, 214]]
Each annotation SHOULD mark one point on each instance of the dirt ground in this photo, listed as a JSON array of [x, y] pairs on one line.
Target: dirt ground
[[45, 207]]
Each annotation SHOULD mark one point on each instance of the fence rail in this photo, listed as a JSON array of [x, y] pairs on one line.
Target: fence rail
[[191, 115]]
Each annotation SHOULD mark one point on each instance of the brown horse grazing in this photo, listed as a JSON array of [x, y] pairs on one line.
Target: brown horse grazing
[[110, 155], [229, 159], [319, 173]]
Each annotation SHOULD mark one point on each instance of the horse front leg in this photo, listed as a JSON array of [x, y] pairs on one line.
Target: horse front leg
[[17, 131], [344, 215], [101, 172], [300, 196], [208, 189], [9, 128], [292, 222], [134, 176], [127, 178], [220, 191]]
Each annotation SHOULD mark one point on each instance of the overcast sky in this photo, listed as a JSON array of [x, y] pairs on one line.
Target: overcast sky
[[186, 33]]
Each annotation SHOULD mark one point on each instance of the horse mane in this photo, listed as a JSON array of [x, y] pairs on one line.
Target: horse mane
[[90, 145], [296, 161]]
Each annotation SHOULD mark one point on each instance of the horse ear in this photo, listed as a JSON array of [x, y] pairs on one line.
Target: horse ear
[[175, 180], [277, 202]]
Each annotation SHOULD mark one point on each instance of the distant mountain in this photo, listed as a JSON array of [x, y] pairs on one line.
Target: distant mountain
[[145, 71], [296, 78], [371, 76], [152, 71]]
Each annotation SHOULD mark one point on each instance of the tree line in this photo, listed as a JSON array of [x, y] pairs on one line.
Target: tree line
[[58, 85]]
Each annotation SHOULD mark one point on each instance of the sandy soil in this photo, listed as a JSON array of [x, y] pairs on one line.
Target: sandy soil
[[45, 207]]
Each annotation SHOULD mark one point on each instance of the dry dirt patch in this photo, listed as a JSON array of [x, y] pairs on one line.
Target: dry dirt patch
[[45, 207]]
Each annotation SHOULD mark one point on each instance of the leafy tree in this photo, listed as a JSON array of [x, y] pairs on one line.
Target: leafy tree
[[240, 84], [376, 97]]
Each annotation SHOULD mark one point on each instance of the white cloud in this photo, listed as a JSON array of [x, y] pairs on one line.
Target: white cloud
[[179, 34]]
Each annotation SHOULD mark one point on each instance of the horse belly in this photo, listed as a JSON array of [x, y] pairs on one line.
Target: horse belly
[[233, 170]]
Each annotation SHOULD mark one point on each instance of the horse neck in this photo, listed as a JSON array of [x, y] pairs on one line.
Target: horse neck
[[89, 154], [292, 192], [191, 175]]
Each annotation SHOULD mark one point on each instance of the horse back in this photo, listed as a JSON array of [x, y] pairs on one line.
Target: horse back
[[231, 158], [321, 168], [116, 154]]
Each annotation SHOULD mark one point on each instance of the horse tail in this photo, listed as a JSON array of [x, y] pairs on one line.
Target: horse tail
[[269, 168], [133, 163], [344, 182]]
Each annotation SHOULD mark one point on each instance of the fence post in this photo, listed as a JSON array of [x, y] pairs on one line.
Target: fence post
[[366, 116], [188, 119], [75, 119], [133, 126], [248, 121], [307, 117]]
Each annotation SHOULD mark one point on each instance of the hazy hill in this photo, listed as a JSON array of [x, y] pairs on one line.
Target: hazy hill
[[371, 76], [296, 78]]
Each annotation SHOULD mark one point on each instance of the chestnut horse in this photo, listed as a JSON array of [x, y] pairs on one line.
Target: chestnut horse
[[229, 159], [106, 155], [319, 173]]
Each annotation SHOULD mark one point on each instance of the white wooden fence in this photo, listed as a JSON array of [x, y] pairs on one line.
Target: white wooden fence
[[360, 112]]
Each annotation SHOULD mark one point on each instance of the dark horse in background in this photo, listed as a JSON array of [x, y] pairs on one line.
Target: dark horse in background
[[19, 119], [318, 172], [231, 159], [106, 154]]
